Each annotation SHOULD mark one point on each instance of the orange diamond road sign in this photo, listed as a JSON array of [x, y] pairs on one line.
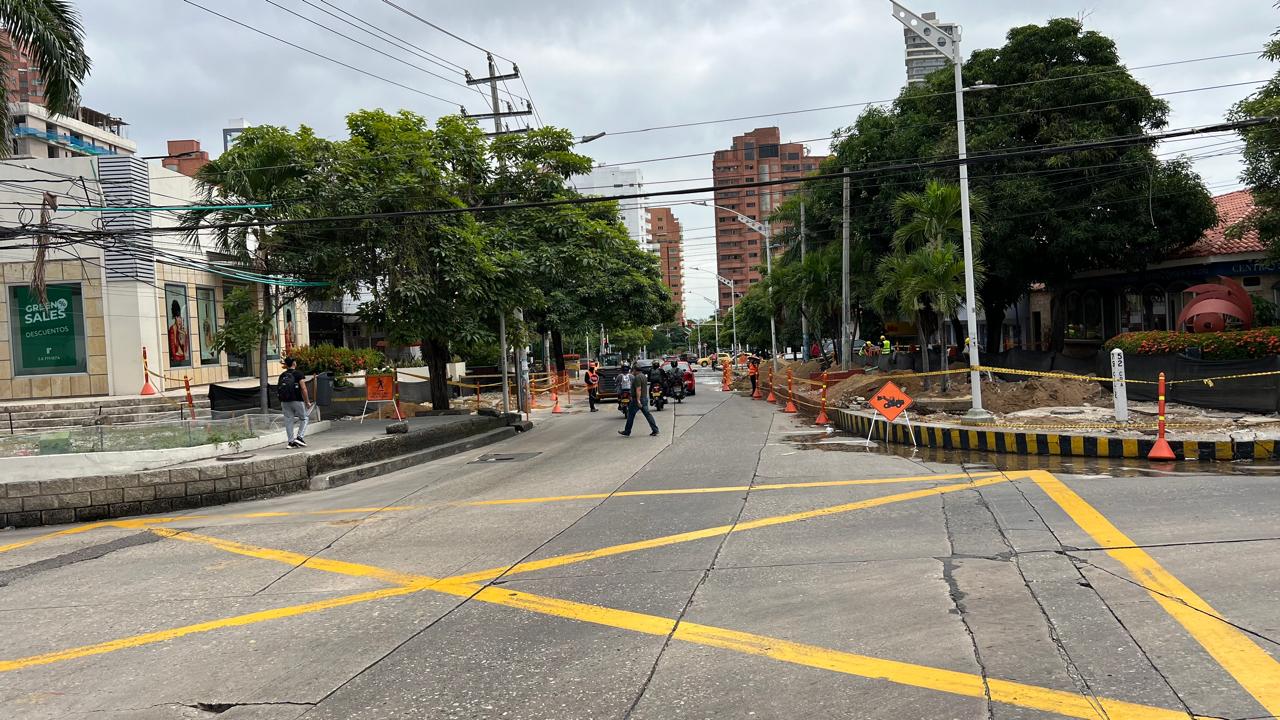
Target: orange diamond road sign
[[890, 401]]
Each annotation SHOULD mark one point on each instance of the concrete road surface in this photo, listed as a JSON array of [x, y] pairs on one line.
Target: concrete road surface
[[737, 566]]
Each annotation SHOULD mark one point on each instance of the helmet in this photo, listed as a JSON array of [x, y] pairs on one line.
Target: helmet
[[656, 363], [881, 337]]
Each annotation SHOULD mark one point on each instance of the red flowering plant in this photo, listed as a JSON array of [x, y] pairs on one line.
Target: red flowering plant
[[1229, 345]]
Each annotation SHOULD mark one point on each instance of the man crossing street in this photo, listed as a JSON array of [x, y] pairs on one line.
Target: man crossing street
[[639, 401]]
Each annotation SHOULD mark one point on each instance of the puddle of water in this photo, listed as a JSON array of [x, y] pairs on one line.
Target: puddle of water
[[978, 460]]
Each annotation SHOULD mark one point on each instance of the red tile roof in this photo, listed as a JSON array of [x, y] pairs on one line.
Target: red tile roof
[[1232, 207]]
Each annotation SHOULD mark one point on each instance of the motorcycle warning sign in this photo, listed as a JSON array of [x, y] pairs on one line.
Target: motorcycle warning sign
[[890, 401]]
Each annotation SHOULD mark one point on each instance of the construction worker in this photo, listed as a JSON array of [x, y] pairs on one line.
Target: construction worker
[[885, 346], [592, 381], [753, 372]]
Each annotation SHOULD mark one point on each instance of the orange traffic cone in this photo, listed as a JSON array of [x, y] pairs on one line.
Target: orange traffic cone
[[555, 398], [822, 409], [791, 392], [772, 398], [1161, 450], [147, 387]]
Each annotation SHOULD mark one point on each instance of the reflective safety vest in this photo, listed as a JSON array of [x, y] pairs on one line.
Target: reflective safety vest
[[593, 379], [753, 369], [887, 346]]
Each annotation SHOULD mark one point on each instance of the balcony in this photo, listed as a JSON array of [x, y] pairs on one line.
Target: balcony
[[61, 139]]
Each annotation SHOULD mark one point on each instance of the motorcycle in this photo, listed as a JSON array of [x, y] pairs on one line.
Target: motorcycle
[[689, 387], [675, 388], [624, 399], [656, 398]]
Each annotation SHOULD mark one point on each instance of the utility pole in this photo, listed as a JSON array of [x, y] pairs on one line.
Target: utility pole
[[844, 275], [804, 320], [499, 128]]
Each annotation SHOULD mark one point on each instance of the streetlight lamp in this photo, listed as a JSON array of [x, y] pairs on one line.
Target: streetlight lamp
[[716, 305], [949, 45], [764, 229], [733, 308]]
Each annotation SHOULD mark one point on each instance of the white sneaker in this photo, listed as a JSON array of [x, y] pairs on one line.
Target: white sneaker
[[300, 442]]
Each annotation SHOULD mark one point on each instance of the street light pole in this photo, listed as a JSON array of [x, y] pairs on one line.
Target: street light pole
[[804, 319], [950, 46], [764, 229], [733, 308]]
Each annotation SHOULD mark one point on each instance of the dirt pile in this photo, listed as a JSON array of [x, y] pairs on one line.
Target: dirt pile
[[1002, 397]]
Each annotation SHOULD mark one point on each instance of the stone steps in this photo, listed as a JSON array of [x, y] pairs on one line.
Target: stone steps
[[37, 416]]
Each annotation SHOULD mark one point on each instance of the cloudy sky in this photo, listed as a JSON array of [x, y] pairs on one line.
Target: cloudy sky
[[174, 71]]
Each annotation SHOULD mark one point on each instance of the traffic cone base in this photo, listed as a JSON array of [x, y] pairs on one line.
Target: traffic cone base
[[790, 408], [822, 418], [771, 397], [555, 409], [755, 394], [1161, 451], [148, 388]]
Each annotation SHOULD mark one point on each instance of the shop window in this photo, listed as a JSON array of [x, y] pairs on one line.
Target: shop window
[[1084, 315], [1131, 311], [207, 322], [1155, 309], [47, 338]]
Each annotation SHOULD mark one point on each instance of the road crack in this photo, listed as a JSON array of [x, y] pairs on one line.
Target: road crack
[[84, 554], [1072, 668], [957, 600]]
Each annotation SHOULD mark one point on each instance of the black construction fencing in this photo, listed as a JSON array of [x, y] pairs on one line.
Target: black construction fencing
[[1250, 394]]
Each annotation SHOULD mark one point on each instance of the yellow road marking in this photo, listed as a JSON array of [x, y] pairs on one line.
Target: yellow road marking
[[48, 536], [719, 530], [235, 621], [1256, 670], [903, 673], [728, 488], [298, 559]]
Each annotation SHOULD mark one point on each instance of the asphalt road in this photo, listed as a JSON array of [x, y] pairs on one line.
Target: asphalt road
[[737, 566]]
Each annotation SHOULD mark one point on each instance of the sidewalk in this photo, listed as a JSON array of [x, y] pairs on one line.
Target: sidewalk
[[349, 451]]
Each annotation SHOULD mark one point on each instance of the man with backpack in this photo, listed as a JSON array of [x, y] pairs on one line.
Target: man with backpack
[[294, 402]]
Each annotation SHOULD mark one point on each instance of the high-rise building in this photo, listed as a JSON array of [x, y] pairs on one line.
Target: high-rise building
[[614, 180], [234, 127], [922, 57], [756, 156], [665, 230], [37, 133]]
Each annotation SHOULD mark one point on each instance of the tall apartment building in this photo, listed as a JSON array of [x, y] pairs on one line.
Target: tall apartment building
[[922, 57], [614, 180], [36, 133], [668, 236], [759, 155]]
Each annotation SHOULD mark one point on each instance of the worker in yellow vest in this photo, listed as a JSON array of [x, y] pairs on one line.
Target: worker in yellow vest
[[885, 346]]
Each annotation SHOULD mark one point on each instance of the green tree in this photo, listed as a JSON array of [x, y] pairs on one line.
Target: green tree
[[51, 31], [268, 166], [927, 283], [430, 278], [1262, 157]]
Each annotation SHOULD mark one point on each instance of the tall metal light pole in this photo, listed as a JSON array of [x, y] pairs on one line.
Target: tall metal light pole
[[733, 308], [716, 305], [766, 230], [949, 45], [804, 319]]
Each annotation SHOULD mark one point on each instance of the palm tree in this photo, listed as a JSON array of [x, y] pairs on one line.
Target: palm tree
[[51, 31], [925, 274]]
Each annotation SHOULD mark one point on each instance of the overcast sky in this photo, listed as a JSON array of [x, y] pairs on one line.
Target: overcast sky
[[173, 71]]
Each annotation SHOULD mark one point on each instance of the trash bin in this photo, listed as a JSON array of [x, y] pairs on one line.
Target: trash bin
[[324, 389]]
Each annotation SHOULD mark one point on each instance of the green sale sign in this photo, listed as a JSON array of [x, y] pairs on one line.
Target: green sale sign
[[47, 331]]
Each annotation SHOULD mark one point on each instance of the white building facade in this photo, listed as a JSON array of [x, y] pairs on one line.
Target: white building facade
[[922, 57], [109, 298], [615, 180], [37, 134]]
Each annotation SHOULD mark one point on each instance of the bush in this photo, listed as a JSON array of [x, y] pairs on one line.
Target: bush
[[337, 360], [1231, 345]]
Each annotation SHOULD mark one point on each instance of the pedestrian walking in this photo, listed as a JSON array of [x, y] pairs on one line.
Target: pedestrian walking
[[295, 404], [639, 402], [592, 381]]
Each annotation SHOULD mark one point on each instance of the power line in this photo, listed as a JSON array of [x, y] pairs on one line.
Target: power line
[[1117, 142], [416, 49], [362, 43], [319, 55], [952, 122], [866, 103], [446, 32]]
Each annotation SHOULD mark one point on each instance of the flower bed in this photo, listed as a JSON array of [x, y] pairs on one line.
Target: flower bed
[[1231, 345], [337, 360]]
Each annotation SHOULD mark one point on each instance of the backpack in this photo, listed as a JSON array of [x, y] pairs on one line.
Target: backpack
[[289, 390]]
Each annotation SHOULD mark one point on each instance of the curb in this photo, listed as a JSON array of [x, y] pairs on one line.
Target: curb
[[1056, 443], [382, 467], [1068, 444]]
